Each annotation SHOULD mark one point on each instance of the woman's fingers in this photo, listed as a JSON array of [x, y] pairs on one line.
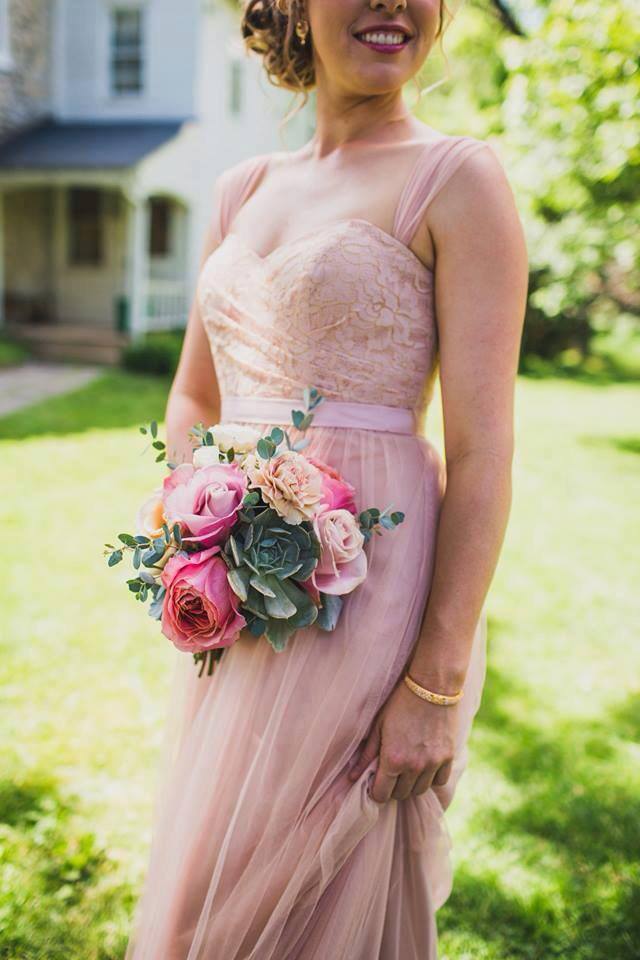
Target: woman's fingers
[[369, 751], [443, 774], [404, 786], [383, 784]]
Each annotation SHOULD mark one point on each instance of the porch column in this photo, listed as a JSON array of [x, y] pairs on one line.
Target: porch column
[[138, 265]]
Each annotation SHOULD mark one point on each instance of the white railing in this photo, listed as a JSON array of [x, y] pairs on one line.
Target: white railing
[[167, 304]]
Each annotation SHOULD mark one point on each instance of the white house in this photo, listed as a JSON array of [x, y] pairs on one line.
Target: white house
[[115, 118]]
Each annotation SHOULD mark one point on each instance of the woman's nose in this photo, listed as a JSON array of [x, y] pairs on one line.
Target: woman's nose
[[390, 5]]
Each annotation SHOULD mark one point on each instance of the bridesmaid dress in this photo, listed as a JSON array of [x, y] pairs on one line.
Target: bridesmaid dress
[[262, 848]]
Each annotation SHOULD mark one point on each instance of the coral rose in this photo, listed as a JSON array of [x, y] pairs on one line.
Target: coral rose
[[343, 562], [337, 493], [150, 516], [204, 501], [289, 484], [200, 609]]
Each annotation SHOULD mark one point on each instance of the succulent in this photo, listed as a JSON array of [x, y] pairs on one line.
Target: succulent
[[267, 560]]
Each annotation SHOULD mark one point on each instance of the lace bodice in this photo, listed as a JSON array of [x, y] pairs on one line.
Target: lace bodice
[[348, 307]]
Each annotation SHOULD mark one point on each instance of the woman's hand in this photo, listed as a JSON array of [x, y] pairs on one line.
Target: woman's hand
[[415, 741]]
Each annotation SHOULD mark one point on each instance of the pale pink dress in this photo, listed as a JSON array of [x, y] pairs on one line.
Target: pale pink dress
[[262, 849]]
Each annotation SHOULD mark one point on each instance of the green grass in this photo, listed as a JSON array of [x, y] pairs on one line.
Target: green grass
[[11, 352], [545, 821]]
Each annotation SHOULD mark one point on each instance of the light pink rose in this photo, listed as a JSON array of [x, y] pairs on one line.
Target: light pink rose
[[289, 484], [337, 493], [343, 562], [204, 501], [200, 609]]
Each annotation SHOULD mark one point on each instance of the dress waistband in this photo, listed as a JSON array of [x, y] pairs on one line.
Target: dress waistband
[[329, 413]]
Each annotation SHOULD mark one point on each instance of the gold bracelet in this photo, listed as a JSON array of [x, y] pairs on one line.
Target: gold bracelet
[[443, 699]]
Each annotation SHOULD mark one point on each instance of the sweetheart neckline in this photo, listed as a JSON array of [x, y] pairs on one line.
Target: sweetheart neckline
[[353, 221]]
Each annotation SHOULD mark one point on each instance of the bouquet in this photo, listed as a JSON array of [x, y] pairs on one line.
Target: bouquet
[[251, 534]]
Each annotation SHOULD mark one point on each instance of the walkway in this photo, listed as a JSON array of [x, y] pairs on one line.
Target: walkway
[[35, 380]]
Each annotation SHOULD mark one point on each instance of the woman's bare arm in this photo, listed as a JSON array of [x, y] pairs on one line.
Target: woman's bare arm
[[194, 395], [481, 281], [481, 286]]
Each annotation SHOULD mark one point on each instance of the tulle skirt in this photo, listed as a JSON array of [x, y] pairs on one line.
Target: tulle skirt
[[262, 848]]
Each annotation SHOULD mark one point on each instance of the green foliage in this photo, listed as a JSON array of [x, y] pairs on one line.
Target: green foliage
[[267, 559], [561, 106], [371, 519], [11, 352], [54, 877], [572, 129], [157, 352]]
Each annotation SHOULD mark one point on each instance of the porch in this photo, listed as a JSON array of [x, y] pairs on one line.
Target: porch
[[90, 259]]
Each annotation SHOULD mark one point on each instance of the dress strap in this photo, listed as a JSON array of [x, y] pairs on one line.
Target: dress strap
[[435, 164], [232, 188]]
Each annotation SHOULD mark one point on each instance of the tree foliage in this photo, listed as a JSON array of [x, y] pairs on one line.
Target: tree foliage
[[571, 131]]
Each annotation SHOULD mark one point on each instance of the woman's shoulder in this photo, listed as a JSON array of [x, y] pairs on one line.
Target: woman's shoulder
[[240, 170]]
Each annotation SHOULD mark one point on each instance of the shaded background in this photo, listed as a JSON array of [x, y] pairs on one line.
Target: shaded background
[[545, 823]]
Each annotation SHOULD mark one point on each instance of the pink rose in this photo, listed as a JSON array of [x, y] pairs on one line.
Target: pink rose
[[200, 609], [343, 562], [289, 484], [204, 501], [337, 493]]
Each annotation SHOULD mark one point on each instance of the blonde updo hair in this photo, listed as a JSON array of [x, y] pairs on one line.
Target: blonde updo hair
[[268, 28]]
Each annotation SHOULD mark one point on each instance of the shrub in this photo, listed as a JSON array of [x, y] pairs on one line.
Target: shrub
[[157, 352]]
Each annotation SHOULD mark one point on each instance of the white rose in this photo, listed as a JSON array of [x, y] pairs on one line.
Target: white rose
[[206, 457], [237, 436]]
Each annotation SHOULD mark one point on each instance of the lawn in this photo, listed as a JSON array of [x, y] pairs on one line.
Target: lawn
[[546, 820]]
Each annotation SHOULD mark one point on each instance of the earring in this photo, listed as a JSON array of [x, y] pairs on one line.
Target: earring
[[302, 29]]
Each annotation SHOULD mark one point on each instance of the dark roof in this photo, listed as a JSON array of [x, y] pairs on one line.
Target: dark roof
[[57, 144]]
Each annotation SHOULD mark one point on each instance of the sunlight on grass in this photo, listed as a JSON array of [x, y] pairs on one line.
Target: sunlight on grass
[[545, 821]]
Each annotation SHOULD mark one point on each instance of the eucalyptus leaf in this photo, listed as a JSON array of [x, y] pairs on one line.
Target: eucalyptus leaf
[[127, 539], [329, 612], [155, 608]]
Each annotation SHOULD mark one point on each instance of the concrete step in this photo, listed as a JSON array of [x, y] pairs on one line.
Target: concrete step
[[67, 341]]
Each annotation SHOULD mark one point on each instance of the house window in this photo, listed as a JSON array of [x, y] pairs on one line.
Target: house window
[[126, 50], [5, 37], [85, 225], [235, 87], [160, 229]]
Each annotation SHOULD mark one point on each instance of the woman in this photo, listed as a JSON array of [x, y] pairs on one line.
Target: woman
[[300, 813]]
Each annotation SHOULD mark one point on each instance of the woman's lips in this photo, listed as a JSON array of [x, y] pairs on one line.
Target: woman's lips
[[383, 47]]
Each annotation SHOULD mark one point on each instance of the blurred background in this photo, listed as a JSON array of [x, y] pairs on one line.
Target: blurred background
[[115, 118]]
